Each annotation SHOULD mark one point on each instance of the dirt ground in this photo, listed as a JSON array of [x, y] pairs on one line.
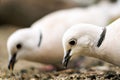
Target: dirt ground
[[96, 70], [91, 73]]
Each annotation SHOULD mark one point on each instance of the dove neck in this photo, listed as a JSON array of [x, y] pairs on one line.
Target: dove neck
[[96, 43]]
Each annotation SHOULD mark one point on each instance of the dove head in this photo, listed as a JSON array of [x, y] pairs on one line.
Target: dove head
[[21, 45], [79, 39]]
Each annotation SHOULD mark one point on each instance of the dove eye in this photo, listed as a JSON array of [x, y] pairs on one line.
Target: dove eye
[[73, 42], [19, 46]]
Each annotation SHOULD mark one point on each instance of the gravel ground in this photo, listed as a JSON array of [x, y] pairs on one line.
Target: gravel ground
[[93, 73]]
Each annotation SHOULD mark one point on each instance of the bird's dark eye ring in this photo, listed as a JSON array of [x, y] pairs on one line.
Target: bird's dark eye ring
[[73, 42], [19, 46]]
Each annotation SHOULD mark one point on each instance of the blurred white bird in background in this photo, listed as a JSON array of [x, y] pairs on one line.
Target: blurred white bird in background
[[42, 42], [93, 41]]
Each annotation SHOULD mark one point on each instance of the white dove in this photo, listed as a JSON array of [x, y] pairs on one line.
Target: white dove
[[42, 42], [93, 41]]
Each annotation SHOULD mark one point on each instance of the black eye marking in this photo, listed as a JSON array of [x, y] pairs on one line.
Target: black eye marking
[[73, 42], [19, 46]]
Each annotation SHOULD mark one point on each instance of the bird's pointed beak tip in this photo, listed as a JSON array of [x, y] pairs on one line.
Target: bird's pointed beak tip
[[66, 59], [10, 66], [12, 62], [64, 64]]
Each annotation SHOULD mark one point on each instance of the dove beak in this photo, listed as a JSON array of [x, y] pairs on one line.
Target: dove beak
[[12, 62], [66, 58]]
